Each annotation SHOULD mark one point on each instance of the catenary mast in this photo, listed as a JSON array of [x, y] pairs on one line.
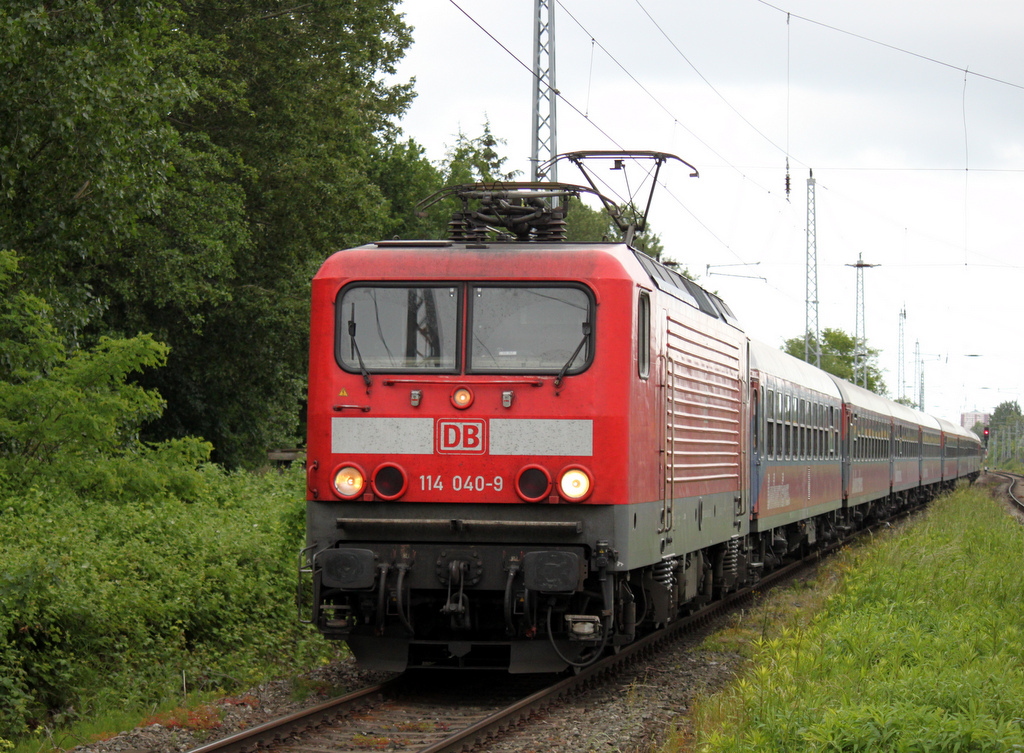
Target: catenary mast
[[860, 338], [544, 144], [812, 337]]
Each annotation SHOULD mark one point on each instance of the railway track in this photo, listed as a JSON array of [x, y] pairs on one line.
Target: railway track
[[434, 711], [1013, 490]]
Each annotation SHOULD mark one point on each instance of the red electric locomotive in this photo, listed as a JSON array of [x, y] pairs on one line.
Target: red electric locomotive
[[524, 451]]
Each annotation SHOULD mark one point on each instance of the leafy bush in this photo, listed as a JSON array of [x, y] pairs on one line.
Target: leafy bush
[[107, 603], [126, 568]]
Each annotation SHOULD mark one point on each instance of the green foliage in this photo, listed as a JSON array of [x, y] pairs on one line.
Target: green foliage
[[838, 351], [584, 225], [1006, 437], [407, 177], [918, 650], [93, 172], [108, 604], [182, 169], [1006, 413], [475, 160], [74, 419], [124, 565], [308, 117]]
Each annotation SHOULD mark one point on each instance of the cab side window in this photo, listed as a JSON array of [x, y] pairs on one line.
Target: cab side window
[[643, 335]]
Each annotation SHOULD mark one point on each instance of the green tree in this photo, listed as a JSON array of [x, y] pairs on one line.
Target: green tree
[[407, 177], [476, 160], [838, 351], [183, 168], [310, 126], [1007, 413], [70, 418], [584, 224], [102, 195]]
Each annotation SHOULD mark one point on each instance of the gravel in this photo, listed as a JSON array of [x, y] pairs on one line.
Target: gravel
[[632, 713], [245, 711]]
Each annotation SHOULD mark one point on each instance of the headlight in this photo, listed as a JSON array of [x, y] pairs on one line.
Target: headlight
[[575, 484], [462, 397], [349, 481]]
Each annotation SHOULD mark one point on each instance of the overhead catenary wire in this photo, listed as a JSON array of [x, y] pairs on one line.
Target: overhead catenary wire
[[893, 47], [740, 115], [654, 98], [585, 114]]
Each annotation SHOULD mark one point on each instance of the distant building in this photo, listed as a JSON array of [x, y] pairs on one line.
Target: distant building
[[968, 420]]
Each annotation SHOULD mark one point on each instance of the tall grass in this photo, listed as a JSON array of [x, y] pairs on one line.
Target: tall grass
[[920, 648]]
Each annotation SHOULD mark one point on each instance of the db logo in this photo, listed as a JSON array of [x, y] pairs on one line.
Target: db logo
[[465, 437]]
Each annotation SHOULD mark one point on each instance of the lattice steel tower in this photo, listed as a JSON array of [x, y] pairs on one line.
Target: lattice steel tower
[[544, 142], [900, 375], [860, 338], [812, 339], [919, 368]]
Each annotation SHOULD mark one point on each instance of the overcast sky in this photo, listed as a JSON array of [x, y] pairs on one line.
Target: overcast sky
[[910, 113]]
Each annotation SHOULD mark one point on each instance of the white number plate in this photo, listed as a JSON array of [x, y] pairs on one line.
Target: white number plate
[[461, 483]]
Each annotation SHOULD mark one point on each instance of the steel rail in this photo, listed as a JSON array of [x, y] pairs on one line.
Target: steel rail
[[275, 730], [1014, 479]]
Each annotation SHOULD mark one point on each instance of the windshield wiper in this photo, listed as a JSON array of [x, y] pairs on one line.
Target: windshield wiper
[[359, 357], [586, 336]]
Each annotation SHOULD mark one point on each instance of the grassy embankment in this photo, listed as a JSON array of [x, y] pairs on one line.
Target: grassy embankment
[[114, 612], [913, 642]]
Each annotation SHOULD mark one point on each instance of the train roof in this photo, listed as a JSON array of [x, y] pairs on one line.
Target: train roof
[[460, 260], [778, 363], [913, 416], [864, 399], [956, 430]]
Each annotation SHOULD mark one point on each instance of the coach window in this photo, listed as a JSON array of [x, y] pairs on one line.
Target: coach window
[[821, 431], [778, 425], [822, 439], [815, 431], [812, 429], [755, 410], [787, 427], [833, 439], [769, 405], [643, 334], [803, 428]]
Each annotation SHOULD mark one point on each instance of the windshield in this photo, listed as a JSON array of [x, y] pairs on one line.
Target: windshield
[[529, 329], [515, 329], [398, 328]]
